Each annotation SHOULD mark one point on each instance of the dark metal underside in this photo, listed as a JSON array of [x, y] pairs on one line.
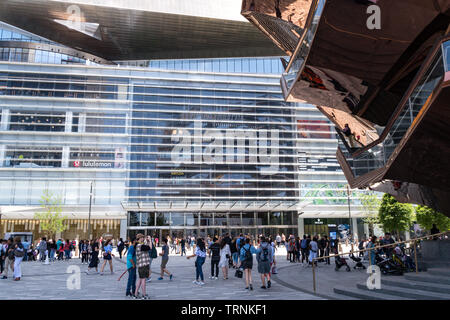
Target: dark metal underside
[[140, 35]]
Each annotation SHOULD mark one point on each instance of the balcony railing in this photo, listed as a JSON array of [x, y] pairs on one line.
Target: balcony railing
[[377, 155], [297, 62]]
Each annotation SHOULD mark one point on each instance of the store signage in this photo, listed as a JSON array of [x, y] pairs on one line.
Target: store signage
[[227, 147], [92, 164], [318, 221]]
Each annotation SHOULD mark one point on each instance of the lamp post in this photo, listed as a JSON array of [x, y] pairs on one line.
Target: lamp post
[[349, 217], [90, 206]]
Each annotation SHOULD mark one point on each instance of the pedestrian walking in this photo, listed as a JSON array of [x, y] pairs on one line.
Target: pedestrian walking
[[84, 246], [94, 257], [225, 254], [234, 253], [183, 246], [164, 259], [67, 250], [200, 253], [2, 254], [313, 248], [120, 247], [107, 257], [153, 254], [246, 257], [19, 253], [131, 268], [264, 259], [143, 266], [9, 259], [278, 240], [214, 251], [42, 249]]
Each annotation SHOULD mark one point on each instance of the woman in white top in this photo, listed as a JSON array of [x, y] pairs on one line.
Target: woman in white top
[[225, 253]]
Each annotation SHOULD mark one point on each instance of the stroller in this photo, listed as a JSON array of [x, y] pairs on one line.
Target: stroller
[[388, 266], [359, 264], [340, 262]]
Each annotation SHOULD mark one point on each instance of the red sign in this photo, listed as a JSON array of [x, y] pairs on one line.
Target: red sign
[[76, 163]]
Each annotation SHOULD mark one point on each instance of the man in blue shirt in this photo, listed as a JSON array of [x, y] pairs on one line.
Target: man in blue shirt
[[131, 266]]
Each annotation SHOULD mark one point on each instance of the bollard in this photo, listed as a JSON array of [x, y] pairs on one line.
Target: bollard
[[314, 275], [415, 257]]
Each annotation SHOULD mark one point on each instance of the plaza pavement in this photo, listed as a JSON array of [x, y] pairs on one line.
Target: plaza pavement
[[49, 282]]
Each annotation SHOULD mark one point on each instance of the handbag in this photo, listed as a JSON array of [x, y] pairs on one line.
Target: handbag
[[274, 270], [238, 273]]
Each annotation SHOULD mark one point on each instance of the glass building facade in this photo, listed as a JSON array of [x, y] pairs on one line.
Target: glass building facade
[[171, 147]]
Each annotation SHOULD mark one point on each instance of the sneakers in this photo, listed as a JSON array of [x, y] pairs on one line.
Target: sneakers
[[269, 284], [149, 279], [216, 278], [171, 277], [146, 297], [137, 297], [211, 277], [251, 287], [201, 283], [160, 278], [263, 287], [195, 282]]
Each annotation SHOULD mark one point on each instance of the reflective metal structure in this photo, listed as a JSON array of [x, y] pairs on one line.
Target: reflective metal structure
[[141, 30], [387, 82]]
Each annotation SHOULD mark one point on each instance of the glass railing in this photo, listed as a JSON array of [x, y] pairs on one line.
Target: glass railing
[[297, 61], [377, 156]]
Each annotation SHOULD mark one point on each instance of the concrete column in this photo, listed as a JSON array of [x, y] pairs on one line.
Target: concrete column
[[69, 120], [301, 227], [6, 116], [65, 157], [123, 229], [2, 155], [366, 229], [355, 228], [82, 122]]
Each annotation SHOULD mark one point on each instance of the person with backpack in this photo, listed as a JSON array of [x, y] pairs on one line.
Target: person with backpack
[[313, 248], [9, 259], [200, 253], [19, 253], [214, 250], [264, 259], [246, 257]]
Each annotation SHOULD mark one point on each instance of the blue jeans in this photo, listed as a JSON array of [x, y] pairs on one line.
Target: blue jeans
[[131, 284], [67, 252], [198, 268], [52, 254], [235, 257]]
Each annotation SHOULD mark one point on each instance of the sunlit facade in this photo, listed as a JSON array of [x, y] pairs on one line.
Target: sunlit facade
[[193, 147]]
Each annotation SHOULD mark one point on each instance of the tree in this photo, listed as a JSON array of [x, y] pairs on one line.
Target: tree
[[371, 205], [395, 216], [426, 217], [51, 219]]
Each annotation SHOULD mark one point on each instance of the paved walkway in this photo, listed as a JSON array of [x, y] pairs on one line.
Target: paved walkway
[[41, 281]]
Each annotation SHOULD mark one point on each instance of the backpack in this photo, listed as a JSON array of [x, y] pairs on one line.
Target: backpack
[[264, 254], [18, 253], [153, 253], [248, 254], [215, 249], [303, 244]]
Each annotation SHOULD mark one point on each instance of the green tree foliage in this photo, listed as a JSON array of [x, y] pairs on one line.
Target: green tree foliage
[[371, 205], [426, 217], [51, 219], [395, 216]]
